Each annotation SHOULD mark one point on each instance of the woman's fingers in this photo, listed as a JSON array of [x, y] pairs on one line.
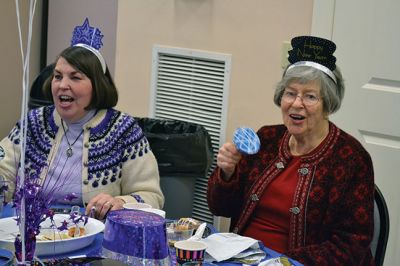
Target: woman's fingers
[[101, 204], [227, 158], [104, 209]]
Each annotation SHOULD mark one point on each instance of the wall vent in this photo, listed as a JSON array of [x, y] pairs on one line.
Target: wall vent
[[192, 86]]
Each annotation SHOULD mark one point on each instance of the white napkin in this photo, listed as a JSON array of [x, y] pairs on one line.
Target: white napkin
[[223, 246]]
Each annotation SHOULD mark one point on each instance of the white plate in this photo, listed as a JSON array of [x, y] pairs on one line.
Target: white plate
[[9, 229]]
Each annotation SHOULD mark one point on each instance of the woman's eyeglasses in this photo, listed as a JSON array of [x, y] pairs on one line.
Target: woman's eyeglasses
[[308, 99]]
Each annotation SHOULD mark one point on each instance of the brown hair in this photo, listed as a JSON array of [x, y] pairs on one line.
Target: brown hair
[[104, 93]]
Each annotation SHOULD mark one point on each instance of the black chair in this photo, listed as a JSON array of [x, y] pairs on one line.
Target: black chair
[[36, 96], [381, 228]]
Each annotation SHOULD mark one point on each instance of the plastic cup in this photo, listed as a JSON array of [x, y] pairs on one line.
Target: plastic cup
[[190, 251], [177, 233]]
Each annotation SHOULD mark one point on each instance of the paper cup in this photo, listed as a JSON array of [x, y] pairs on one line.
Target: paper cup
[[154, 210], [136, 206], [144, 207], [190, 251]]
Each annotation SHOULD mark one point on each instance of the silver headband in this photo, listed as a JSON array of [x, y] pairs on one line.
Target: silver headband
[[316, 66], [96, 53]]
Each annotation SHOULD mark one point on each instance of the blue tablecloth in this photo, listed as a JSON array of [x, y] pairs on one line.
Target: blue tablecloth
[[7, 211], [6, 257], [94, 249]]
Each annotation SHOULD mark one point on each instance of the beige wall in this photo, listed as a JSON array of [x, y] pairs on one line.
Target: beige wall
[[252, 31], [65, 15], [11, 62]]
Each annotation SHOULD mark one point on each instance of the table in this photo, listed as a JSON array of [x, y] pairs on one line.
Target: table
[[94, 249]]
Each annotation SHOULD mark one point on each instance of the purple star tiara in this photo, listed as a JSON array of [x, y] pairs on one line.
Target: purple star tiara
[[90, 38]]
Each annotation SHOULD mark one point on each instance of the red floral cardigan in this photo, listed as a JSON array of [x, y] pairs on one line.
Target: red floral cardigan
[[332, 214]]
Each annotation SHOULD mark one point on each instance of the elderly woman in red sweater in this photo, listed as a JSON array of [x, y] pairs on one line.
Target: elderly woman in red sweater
[[309, 191]]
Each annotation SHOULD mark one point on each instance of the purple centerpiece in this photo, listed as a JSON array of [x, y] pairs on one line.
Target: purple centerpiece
[[135, 236]]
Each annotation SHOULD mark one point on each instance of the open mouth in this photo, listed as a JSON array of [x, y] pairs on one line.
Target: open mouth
[[65, 98], [297, 117]]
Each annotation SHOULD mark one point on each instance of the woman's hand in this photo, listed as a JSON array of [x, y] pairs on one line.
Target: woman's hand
[[227, 159], [101, 204]]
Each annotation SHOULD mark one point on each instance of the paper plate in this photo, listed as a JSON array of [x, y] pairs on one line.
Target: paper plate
[[9, 229]]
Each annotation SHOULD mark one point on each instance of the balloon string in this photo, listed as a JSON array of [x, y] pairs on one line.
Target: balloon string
[[24, 111]]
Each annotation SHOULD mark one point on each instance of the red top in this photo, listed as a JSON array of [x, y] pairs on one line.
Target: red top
[[270, 222]]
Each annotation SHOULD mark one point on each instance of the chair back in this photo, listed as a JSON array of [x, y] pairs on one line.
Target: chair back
[[36, 95], [381, 228]]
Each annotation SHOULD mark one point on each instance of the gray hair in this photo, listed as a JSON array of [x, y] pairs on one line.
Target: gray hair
[[331, 93]]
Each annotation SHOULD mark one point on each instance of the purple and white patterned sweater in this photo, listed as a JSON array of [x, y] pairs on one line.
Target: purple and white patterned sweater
[[116, 157]]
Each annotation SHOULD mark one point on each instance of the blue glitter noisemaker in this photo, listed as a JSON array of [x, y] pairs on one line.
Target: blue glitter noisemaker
[[246, 140]]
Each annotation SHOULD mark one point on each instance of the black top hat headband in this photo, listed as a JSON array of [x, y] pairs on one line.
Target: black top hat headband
[[314, 52], [90, 38]]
